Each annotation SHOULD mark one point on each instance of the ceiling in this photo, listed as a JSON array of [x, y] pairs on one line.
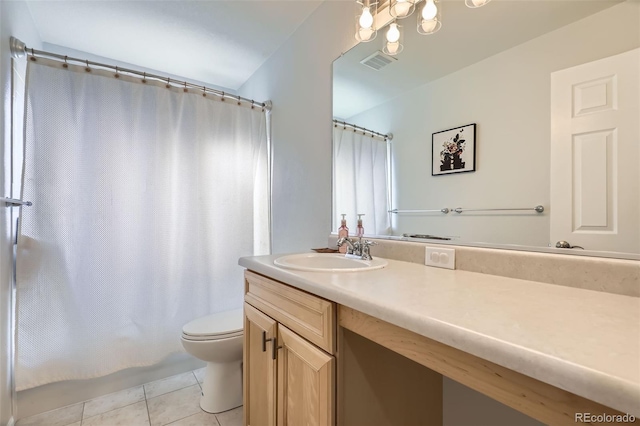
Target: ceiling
[[467, 36], [212, 41]]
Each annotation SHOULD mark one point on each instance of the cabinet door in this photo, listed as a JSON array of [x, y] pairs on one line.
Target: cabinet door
[[259, 368], [306, 382]]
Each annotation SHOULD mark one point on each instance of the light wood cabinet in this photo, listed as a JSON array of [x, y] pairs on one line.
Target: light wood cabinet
[[289, 362], [305, 382], [259, 369], [308, 361], [310, 316]]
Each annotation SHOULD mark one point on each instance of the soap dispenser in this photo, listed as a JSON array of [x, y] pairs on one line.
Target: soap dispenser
[[343, 232], [360, 228]]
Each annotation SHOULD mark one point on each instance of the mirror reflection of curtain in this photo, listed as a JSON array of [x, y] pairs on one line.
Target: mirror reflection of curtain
[[360, 181], [144, 197]]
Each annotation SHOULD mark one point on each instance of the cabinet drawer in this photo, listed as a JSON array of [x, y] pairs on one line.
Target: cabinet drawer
[[310, 316]]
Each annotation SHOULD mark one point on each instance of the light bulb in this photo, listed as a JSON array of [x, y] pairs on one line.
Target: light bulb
[[392, 48], [393, 35], [365, 33], [429, 26], [430, 10], [366, 19], [402, 8]]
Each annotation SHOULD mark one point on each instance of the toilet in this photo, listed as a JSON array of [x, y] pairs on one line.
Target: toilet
[[217, 340]]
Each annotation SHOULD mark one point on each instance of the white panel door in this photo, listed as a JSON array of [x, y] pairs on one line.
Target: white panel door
[[595, 154]]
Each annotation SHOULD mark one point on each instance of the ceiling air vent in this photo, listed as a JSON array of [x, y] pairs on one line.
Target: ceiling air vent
[[378, 60]]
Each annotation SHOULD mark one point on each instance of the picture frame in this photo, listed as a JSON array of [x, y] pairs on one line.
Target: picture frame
[[454, 150]]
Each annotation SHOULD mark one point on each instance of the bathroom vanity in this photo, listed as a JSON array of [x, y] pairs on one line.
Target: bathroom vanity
[[372, 348]]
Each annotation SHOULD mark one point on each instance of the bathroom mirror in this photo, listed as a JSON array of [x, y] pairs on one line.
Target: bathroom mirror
[[543, 82]]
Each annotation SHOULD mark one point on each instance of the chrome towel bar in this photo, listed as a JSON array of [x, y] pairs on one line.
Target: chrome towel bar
[[538, 209], [396, 211], [12, 202]]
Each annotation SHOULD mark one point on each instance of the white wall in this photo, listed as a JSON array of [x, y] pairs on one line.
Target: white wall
[[15, 20], [297, 78], [508, 96]]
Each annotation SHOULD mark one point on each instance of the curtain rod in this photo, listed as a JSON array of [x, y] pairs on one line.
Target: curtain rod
[[19, 49], [353, 126]]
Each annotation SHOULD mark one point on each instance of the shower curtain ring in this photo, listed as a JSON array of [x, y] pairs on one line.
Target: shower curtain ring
[[33, 55], [253, 104], [239, 103], [144, 77], [168, 83], [65, 65], [204, 91], [185, 87], [87, 69], [116, 75], [223, 95]]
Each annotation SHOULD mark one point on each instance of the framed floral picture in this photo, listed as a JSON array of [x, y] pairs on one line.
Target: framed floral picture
[[454, 150]]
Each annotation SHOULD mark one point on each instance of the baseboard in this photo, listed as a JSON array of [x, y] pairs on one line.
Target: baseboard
[[61, 394]]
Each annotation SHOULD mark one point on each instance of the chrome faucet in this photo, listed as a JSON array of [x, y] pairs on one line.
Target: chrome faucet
[[357, 248], [352, 246]]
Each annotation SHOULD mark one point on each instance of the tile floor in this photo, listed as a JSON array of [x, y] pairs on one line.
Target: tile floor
[[172, 401]]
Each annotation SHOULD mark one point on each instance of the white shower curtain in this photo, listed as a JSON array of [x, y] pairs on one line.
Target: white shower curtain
[[360, 181], [144, 197]]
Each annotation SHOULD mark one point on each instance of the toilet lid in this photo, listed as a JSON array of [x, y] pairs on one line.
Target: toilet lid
[[221, 323]]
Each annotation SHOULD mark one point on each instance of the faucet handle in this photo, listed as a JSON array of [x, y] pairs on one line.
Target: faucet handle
[[366, 252], [351, 245]]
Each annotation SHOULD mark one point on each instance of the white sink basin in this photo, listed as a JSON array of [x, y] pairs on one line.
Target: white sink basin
[[328, 262]]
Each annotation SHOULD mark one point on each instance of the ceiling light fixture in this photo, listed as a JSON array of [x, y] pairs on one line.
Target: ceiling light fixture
[[393, 46], [475, 3], [429, 19], [366, 19], [402, 8]]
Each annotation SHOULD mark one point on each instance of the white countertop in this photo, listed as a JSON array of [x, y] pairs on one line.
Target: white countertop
[[582, 341]]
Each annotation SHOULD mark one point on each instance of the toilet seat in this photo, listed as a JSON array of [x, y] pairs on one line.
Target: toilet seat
[[210, 337], [221, 325]]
